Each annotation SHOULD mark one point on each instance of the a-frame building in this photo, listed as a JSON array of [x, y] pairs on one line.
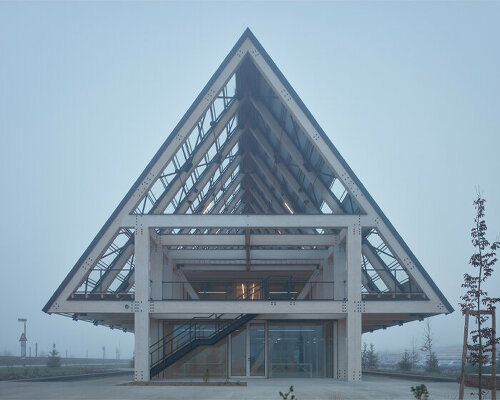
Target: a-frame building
[[248, 247]]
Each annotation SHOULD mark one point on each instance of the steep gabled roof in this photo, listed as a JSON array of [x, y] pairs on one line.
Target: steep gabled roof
[[247, 144]]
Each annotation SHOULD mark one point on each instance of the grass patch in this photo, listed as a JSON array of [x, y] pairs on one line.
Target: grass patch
[[9, 373]]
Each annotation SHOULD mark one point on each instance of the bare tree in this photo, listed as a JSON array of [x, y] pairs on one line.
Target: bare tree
[[476, 298], [432, 364], [414, 356], [364, 356]]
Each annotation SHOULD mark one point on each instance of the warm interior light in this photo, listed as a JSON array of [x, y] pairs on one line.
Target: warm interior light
[[206, 209], [287, 206]]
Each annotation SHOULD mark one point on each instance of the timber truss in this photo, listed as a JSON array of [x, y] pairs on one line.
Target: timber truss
[[247, 184]]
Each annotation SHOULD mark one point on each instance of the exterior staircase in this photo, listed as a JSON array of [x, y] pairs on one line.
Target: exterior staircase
[[185, 338]]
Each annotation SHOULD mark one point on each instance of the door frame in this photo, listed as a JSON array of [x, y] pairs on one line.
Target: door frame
[[247, 352]]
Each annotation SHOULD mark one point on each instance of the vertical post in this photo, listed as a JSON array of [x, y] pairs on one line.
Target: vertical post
[[168, 277], [494, 357], [156, 271], [334, 348], [342, 348], [464, 355], [326, 290], [354, 302], [339, 272], [141, 303]]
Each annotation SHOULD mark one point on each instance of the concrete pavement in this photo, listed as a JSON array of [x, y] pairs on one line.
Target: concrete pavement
[[372, 387]]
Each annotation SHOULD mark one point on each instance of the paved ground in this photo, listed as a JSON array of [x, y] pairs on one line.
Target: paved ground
[[259, 389]]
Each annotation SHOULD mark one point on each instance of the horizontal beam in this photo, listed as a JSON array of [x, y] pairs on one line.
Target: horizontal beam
[[231, 267], [241, 254], [255, 240], [252, 307], [248, 307], [319, 221]]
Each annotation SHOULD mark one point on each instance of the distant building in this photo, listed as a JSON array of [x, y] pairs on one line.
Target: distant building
[[248, 247]]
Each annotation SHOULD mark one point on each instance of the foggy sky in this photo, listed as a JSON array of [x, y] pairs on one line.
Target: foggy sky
[[408, 93]]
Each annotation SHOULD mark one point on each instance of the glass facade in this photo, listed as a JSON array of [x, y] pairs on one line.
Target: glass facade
[[238, 352], [294, 349], [257, 349], [299, 349]]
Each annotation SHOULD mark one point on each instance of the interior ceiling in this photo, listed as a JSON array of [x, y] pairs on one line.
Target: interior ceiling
[[243, 275]]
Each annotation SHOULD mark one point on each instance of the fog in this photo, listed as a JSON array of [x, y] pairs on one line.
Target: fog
[[408, 93]]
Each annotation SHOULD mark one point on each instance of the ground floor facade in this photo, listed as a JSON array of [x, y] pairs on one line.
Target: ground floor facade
[[263, 349]]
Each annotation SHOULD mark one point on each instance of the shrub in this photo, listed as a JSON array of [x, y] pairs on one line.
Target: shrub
[[290, 391], [406, 363], [53, 360], [420, 392]]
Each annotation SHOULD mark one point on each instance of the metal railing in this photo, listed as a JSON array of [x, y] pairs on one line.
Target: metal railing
[[400, 287], [183, 337], [249, 290]]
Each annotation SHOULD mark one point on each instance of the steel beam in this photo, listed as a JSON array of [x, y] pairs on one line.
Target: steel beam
[[321, 221], [297, 156], [220, 254], [271, 199], [206, 176], [261, 165], [383, 271], [289, 177], [256, 240], [177, 183]]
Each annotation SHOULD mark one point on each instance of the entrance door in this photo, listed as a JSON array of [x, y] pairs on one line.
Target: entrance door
[[248, 351], [257, 350]]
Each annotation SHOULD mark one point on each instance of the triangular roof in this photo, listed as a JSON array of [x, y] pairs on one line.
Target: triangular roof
[[247, 144]]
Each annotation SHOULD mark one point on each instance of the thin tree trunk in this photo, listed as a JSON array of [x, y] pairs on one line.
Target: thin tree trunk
[[480, 372]]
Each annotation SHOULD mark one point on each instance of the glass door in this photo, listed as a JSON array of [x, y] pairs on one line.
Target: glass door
[[248, 351], [257, 350], [238, 352]]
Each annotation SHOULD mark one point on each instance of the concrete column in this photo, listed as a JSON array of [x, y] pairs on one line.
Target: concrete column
[[156, 271], [339, 272], [335, 348], [341, 349], [354, 302], [168, 276], [141, 303], [328, 289]]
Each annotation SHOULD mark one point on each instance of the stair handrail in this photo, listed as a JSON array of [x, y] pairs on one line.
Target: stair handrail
[[187, 329], [182, 326], [184, 333]]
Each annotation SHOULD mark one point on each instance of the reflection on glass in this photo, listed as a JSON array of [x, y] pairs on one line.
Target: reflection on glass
[[257, 350], [238, 352], [298, 350]]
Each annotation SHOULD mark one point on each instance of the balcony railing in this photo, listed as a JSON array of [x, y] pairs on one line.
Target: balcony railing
[[271, 288], [249, 290]]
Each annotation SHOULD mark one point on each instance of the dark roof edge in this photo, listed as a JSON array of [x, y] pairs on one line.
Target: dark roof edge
[[308, 114], [129, 194]]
